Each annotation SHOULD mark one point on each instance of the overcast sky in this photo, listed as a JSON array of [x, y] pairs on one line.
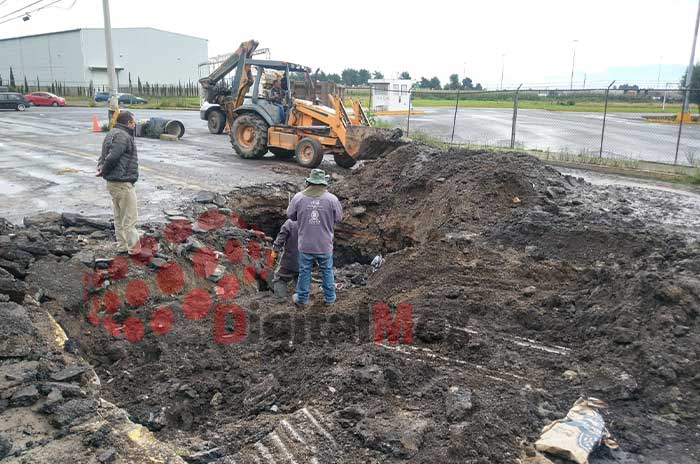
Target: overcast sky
[[616, 39]]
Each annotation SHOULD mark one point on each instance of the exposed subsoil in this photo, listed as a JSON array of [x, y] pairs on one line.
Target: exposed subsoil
[[528, 289]]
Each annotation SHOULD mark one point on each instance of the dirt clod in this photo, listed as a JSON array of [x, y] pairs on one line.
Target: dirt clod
[[5, 447]]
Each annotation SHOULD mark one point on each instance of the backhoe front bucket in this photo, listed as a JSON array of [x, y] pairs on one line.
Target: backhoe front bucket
[[364, 142]]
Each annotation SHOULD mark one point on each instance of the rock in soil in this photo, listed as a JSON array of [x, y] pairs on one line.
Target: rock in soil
[[25, 396], [5, 447], [397, 437]]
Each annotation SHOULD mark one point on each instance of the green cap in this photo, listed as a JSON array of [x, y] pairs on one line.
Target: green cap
[[317, 177]]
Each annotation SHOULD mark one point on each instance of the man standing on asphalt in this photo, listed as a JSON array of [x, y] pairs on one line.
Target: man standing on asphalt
[[316, 211], [119, 166]]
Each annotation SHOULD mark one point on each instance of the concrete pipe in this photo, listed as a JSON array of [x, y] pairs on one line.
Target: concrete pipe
[[174, 127], [155, 127]]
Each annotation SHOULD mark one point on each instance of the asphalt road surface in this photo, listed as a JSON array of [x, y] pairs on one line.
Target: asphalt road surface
[[48, 158], [627, 135]]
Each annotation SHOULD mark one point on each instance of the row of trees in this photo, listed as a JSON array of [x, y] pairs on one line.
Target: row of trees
[[182, 89], [357, 77], [353, 77], [454, 83]]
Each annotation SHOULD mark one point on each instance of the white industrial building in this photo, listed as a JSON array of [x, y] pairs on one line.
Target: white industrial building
[[390, 94], [76, 57]]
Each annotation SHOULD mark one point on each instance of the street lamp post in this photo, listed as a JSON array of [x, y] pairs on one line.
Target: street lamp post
[[573, 62], [503, 67]]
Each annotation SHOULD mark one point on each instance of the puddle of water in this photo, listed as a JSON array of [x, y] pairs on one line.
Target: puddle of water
[[8, 188]]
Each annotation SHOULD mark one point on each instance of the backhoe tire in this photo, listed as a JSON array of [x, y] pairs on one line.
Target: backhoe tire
[[282, 154], [344, 160], [249, 136], [216, 121], [309, 152]]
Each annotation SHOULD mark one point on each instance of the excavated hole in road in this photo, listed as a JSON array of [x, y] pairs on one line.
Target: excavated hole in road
[[269, 213], [184, 373]]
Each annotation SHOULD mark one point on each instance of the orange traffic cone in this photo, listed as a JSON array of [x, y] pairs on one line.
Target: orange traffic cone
[[95, 124]]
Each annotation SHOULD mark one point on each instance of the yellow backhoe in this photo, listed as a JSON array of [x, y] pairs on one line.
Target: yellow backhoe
[[294, 127]]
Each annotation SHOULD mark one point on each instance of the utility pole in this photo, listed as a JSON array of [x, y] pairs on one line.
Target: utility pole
[[111, 73], [663, 103], [688, 77], [573, 62], [503, 67], [658, 76], [689, 74]]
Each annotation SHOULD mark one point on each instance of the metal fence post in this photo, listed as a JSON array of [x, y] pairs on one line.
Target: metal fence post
[[515, 116], [408, 121], [605, 114], [454, 120], [680, 124]]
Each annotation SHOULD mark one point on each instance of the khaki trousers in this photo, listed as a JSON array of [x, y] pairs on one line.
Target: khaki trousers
[[125, 215]]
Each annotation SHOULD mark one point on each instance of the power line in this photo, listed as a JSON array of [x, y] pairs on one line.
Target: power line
[[67, 8], [34, 10], [21, 9]]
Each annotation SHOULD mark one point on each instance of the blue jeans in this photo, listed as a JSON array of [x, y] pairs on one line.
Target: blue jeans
[[282, 112], [306, 262]]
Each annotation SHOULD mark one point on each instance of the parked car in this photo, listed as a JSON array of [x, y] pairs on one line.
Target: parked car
[[45, 99], [129, 99], [13, 101], [101, 96]]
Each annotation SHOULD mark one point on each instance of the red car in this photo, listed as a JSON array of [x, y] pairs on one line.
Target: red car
[[45, 99]]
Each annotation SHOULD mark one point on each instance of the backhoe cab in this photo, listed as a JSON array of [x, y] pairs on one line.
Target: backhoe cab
[[298, 127]]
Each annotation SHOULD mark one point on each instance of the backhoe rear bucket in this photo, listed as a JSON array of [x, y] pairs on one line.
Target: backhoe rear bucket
[[363, 142]]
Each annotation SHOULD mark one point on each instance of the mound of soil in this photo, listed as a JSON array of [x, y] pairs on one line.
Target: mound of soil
[[520, 290]]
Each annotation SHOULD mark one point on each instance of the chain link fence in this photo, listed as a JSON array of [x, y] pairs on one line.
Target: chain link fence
[[627, 125]]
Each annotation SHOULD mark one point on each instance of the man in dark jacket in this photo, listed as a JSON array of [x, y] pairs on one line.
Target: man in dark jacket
[[119, 166], [288, 267]]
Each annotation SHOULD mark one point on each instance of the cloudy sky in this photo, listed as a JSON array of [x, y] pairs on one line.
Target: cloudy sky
[[534, 41]]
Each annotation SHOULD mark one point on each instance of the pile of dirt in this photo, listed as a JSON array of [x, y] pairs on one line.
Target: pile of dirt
[[376, 142], [419, 193], [523, 289]]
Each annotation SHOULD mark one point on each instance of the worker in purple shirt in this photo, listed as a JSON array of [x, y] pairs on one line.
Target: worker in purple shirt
[[316, 212]]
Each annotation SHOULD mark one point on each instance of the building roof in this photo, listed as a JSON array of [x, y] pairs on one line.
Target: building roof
[[99, 29]]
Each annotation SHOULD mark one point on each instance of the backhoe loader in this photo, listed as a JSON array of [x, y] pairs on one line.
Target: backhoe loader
[[295, 128]]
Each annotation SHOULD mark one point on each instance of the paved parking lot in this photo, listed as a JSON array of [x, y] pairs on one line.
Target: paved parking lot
[[48, 158], [627, 135]]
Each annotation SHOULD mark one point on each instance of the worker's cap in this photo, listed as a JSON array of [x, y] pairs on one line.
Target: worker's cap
[[317, 177]]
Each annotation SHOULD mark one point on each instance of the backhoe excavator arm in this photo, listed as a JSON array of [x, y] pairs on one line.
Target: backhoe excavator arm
[[237, 59]]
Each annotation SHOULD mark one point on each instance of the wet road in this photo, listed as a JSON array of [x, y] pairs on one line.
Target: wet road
[[627, 135], [48, 158]]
